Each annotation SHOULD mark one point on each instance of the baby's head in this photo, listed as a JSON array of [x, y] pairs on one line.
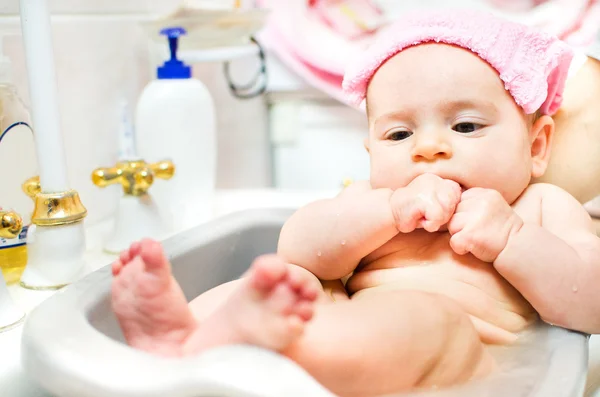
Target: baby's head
[[458, 99]]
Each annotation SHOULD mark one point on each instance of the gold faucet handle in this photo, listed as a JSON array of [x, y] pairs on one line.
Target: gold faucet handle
[[31, 187], [163, 169], [11, 224], [103, 177], [136, 177]]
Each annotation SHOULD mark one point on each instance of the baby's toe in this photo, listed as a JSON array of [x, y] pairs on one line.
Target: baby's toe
[[309, 292], [282, 299], [134, 249], [304, 310], [124, 257], [117, 265], [153, 256], [266, 272]]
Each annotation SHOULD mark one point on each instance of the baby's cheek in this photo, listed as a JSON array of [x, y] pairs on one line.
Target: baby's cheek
[[388, 174], [387, 179]]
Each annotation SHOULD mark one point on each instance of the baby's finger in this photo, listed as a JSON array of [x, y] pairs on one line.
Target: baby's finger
[[472, 193], [465, 206], [449, 200], [460, 243], [458, 222], [435, 216], [408, 217], [453, 190]]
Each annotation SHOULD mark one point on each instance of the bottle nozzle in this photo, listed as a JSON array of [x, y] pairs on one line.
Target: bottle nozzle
[[173, 35], [174, 68]]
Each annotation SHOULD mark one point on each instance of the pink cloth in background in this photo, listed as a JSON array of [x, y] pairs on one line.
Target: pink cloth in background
[[297, 34], [532, 64]]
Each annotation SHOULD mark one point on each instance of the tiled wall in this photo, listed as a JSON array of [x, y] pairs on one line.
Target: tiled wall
[[102, 55]]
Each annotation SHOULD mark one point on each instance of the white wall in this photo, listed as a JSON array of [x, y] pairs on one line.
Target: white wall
[[102, 55]]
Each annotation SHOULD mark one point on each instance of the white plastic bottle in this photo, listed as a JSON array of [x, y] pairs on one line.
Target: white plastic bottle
[[175, 119]]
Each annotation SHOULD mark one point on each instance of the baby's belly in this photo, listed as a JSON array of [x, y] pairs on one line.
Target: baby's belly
[[496, 308]]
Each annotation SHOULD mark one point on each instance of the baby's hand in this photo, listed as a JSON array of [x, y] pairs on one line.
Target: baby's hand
[[427, 202], [482, 224]]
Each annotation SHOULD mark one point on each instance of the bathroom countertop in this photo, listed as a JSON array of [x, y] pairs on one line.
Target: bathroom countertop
[[15, 383]]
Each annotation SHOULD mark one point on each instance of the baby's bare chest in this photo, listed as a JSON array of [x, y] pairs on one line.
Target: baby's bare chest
[[425, 262], [422, 248]]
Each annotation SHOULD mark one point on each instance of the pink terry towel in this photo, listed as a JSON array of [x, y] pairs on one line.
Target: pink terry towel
[[319, 53], [533, 65]]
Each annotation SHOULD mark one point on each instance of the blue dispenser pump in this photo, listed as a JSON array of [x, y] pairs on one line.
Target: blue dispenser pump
[[174, 68]]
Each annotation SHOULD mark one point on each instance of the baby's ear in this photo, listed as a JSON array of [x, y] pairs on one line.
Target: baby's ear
[[541, 134]]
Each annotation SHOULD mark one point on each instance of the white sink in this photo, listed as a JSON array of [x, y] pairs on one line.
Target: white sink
[[13, 381]]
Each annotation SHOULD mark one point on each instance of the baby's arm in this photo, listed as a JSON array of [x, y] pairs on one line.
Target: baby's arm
[[556, 266], [330, 237]]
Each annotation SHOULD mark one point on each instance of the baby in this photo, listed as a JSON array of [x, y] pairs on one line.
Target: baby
[[445, 250]]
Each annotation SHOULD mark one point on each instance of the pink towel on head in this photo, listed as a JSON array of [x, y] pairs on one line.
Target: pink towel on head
[[533, 65]]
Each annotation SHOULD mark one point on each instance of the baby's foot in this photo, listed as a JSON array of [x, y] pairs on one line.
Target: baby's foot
[[269, 309], [149, 304]]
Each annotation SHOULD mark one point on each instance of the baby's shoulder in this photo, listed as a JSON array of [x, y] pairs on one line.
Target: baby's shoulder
[[540, 198], [555, 204], [543, 190], [547, 195]]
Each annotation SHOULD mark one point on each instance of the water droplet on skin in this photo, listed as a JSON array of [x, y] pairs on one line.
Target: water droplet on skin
[[319, 253], [343, 242], [575, 289]]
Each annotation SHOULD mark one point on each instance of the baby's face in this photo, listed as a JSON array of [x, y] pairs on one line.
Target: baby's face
[[440, 109]]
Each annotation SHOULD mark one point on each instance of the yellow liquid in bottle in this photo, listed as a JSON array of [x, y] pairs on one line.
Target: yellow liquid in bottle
[[12, 263], [13, 257]]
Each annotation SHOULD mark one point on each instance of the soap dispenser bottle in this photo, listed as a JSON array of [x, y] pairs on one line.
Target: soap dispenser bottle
[[175, 120]]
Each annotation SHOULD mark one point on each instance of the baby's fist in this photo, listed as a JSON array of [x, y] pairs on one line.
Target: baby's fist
[[427, 202], [482, 224]]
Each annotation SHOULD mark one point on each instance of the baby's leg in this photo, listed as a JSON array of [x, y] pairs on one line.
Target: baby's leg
[[268, 309], [380, 343], [207, 303], [390, 342]]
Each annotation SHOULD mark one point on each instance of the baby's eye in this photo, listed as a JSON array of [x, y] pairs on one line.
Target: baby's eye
[[466, 128], [399, 135]]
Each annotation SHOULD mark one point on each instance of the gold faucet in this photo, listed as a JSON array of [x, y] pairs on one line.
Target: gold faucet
[[53, 209], [135, 177]]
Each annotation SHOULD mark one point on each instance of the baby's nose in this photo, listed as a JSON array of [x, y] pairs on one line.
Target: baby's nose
[[431, 148]]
